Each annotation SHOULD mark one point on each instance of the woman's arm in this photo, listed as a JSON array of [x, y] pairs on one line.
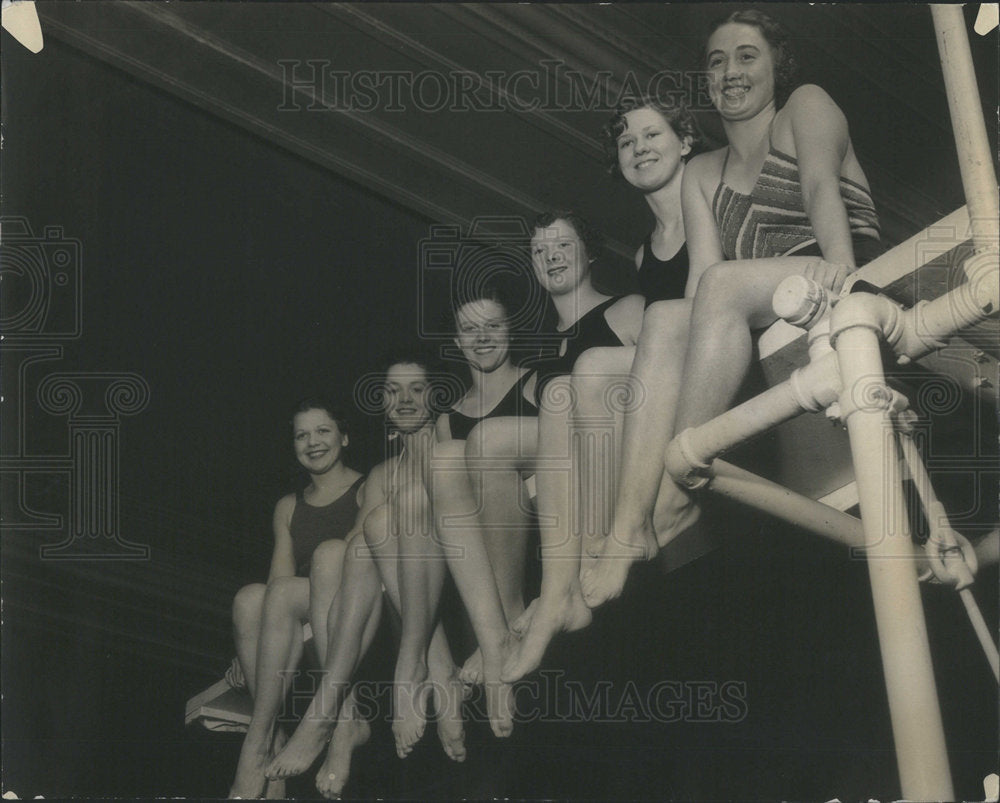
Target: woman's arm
[[442, 428], [371, 494], [700, 229], [819, 131], [625, 318], [283, 556]]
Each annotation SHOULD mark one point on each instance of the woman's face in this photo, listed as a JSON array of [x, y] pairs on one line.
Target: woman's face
[[483, 334], [405, 397], [649, 152], [318, 440], [741, 71], [559, 258]]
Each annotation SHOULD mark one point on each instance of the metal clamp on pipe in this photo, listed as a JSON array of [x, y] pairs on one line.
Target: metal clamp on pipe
[[682, 463], [982, 271], [804, 303], [800, 301]]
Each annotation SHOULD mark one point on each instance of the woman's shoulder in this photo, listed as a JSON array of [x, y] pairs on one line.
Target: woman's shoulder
[[625, 315], [808, 101], [706, 168], [285, 506], [809, 110]]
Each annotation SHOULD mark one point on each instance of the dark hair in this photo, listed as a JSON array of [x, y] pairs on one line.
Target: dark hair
[[676, 114], [786, 68], [593, 241], [489, 290], [321, 403], [405, 356], [443, 389]]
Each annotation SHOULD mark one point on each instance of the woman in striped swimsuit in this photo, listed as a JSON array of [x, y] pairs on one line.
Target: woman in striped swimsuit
[[786, 196]]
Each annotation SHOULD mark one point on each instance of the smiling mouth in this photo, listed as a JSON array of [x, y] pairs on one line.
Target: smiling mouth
[[317, 453], [735, 92], [645, 163]]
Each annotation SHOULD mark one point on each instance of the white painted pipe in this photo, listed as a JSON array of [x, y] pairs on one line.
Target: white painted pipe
[[913, 702], [812, 387], [974, 156], [743, 486]]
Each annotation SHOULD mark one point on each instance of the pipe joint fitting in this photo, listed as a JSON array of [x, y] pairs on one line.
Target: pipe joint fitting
[[683, 465], [800, 301], [868, 311]]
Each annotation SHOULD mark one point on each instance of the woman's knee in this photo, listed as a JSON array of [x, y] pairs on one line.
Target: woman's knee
[[247, 605], [666, 322], [376, 527], [284, 594], [599, 375], [721, 285], [327, 561]]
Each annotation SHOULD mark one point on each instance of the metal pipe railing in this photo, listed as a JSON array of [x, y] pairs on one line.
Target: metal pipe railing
[[974, 156]]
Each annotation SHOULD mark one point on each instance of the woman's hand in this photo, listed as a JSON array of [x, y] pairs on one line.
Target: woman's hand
[[234, 675], [830, 275]]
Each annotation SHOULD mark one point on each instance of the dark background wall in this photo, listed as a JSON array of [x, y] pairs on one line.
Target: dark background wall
[[236, 278]]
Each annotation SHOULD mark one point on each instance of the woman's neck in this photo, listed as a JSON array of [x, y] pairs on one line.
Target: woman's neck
[[665, 204], [745, 136], [485, 385], [333, 479], [417, 444], [570, 307]]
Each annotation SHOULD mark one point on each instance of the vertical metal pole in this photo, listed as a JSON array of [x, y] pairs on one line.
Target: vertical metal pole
[[973, 146], [906, 659]]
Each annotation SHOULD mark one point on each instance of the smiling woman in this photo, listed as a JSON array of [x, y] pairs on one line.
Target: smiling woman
[[268, 618]]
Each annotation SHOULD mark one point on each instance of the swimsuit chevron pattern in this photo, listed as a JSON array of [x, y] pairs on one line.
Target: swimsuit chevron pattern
[[772, 221]]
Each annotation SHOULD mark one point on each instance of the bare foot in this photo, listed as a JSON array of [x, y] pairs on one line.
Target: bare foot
[[410, 691], [250, 777], [523, 622], [448, 696], [605, 579], [335, 770], [499, 694], [676, 511], [471, 672], [275, 790], [562, 611], [306, 744]]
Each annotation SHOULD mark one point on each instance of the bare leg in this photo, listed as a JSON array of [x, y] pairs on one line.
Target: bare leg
[[353, 620], [448, 696], [325, 575], [498, 452], [560, 605], [733, 299], [440, 665], [495, 463], [286, 605], [602, 387], [351, 732], [248, 611], [656, 372], [421, 570], [457, 527]]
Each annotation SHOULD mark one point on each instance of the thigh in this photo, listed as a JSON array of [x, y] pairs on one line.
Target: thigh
[[502, 441], [288, 595], [601, 382], [747, 286]]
